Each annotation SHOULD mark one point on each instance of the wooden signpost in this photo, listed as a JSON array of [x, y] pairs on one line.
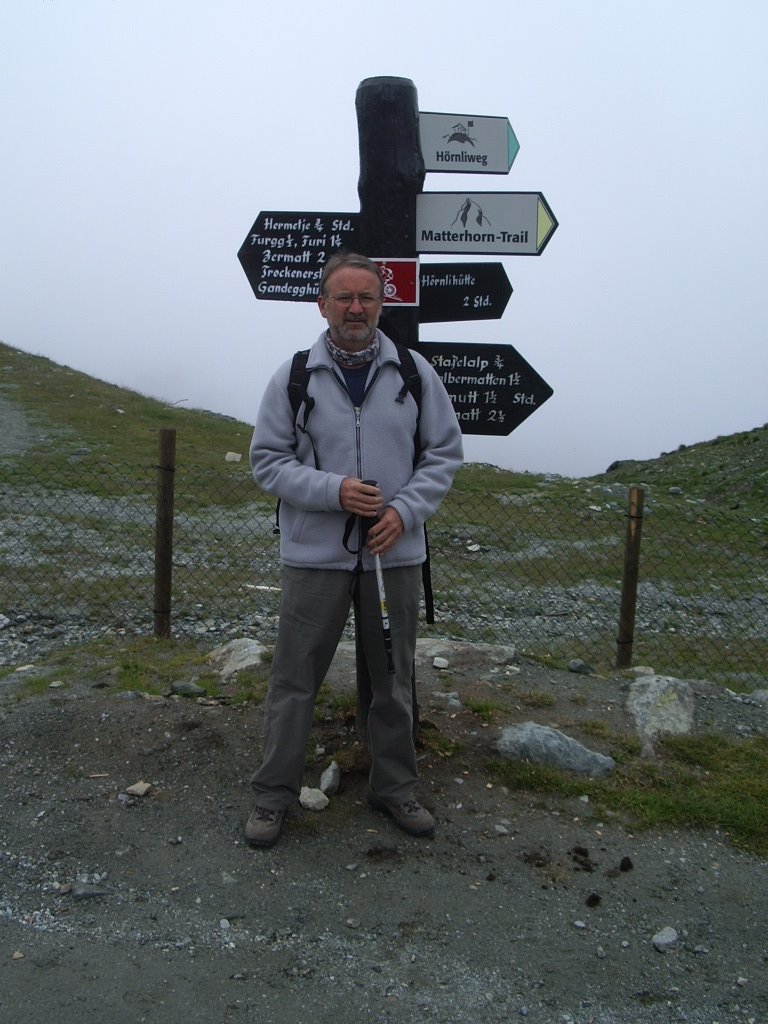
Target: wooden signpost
[[493, 389]]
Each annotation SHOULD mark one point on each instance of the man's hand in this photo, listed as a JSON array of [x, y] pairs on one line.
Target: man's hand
[[385, 533], [359, 498]]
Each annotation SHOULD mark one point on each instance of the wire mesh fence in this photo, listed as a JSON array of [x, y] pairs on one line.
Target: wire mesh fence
[[540, 571]]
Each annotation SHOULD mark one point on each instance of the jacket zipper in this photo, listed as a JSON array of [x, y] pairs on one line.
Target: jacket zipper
[[357, 409]]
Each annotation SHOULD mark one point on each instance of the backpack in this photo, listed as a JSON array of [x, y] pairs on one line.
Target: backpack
[[297, 394]]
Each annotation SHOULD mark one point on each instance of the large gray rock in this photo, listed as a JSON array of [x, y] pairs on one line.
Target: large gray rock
[[236, 656], [541, 744], [660, 704]]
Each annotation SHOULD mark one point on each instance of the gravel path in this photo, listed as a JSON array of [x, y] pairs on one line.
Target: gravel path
[[151, 908]]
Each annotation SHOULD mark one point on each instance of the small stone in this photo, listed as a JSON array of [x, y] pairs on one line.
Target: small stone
[[448, 700], [441, 663], [665, 940], [88, 891], [17, 955], [313, 799], [580, 666], [138, 789], [330, 779]]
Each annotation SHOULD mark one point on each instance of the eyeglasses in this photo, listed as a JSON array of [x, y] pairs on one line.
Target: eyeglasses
[[366, 300]]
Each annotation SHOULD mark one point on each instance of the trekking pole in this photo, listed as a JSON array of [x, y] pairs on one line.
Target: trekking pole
[[365, 526]]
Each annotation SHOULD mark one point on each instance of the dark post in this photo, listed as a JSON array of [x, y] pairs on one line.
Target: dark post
[[391, 176], [166, 470], [626, 635]]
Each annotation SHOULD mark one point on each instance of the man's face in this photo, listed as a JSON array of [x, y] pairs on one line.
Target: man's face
[[352, 307]]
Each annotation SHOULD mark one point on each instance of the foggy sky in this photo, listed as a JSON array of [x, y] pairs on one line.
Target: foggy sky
[[142, 137]]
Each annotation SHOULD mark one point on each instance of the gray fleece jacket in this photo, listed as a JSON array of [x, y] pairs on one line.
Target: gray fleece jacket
[[372, 442]]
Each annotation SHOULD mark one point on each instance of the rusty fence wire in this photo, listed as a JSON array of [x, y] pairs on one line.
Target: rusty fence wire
[[539, 571]]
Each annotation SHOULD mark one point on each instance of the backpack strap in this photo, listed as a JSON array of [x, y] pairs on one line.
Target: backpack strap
[[412, 385], [298, 394], [297, 388]]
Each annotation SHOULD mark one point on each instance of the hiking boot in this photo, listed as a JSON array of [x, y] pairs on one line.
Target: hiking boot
[[263, 826], [410, 816]]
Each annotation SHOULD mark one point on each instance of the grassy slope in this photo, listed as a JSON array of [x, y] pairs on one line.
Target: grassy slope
[[82, 411]]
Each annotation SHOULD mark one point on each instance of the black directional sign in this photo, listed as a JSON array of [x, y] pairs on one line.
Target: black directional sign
[[493, 389], [463, 291], [283, 254]]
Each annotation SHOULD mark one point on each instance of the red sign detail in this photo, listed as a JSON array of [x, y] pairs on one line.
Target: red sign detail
[[401, 281]]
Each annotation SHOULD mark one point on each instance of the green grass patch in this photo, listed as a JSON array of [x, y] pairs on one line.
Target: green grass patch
[[486, 710], [438, 743], [698, 782], [537, 699], [594, 727], [333, 705]]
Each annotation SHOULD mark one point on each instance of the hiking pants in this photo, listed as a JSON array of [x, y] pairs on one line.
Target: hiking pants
[[314, 607]]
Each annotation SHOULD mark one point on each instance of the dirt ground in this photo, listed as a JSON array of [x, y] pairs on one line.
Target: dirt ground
[[150, 908]]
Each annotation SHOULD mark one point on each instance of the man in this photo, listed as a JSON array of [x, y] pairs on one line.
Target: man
[[357, 425]]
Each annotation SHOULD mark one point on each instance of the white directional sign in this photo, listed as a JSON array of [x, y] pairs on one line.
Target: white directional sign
[[463, 143], [491, 223]]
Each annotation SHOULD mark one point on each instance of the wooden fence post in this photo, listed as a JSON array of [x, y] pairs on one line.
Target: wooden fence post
[[166, 470], [626, 634]]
